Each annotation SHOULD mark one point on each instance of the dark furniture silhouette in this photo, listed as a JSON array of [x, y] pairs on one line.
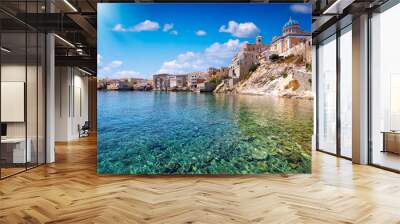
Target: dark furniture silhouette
[[84, 130]]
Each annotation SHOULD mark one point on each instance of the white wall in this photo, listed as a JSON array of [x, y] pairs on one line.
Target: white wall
[[80, 105], [33, 127], [71, 102], [62, 82], [14, 72]]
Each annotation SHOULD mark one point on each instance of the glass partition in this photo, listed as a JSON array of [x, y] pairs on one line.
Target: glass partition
[[22, 77], [31, 100], [346, 92], [385, 89], [41, 97], [327, 95], [13, 94]]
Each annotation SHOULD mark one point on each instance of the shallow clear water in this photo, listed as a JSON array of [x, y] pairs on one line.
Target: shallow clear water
[[197, 133]]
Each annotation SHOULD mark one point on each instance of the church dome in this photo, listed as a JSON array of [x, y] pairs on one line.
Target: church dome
[[290, 23]]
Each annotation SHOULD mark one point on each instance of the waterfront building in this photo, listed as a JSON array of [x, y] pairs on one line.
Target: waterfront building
[[116, 84], [246, 58], [101, 84], [168, 81], [181, 81], [161, 81], [172, 81], [194, 77], [124, 85], [142, 84], [113, 85], [292, 35]]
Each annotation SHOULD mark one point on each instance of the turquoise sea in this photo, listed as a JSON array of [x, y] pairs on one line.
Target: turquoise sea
[[199, 133]]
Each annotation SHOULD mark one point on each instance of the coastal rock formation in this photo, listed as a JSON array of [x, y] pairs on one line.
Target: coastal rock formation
[[286, 80], [286, 77]]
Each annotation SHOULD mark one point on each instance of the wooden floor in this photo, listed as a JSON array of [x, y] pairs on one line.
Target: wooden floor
[[5, 172], [70, 191]]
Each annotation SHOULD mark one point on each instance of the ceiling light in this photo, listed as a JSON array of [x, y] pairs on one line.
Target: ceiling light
[[70, 5], [64, 40], [5, 50], [86, 72], [337, 7], [333, 6]]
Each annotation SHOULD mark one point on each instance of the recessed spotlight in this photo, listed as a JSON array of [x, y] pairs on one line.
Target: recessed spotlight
[[5, 50], [70, 5], [64, 40], [84, 71]]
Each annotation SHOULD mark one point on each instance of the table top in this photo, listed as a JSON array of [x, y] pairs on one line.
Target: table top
[[391, 132], [13, 140]]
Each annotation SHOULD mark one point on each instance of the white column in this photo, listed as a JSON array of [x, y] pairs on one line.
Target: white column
[[360, 90], [50, 92], [50, 99]]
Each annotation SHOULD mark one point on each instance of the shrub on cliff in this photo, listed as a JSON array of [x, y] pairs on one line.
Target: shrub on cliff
[[308, 67], [253, 67], [274, 57], [215, 81]]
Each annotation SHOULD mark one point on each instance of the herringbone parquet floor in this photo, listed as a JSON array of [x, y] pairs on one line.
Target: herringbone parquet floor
[[70, 191]]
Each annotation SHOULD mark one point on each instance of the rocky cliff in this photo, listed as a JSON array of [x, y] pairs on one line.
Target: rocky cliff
[[285, 77]]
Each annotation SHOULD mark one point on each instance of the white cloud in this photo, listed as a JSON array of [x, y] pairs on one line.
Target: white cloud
[[247, 29], [301, 8], [201, 33], [146, 25], [167, 27], [103, 71], [173, 32], [216, 55], [107, 69], [119, 28], [115, 64]]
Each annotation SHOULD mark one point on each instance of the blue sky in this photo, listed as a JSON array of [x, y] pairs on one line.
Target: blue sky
[[139, 40]]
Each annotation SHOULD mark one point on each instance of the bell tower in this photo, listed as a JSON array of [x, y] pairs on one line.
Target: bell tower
[[259, 40]]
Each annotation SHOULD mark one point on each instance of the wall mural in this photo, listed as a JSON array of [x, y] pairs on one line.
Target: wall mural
[[204, 88]]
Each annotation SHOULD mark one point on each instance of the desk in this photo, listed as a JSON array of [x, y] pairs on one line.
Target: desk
[[18, 151], [391, 141]]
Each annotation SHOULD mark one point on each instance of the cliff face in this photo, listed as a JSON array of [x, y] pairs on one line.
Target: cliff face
[[285, 78]]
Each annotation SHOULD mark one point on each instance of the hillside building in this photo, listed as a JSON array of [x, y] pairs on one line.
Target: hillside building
[[246, 57], [291, 36]]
